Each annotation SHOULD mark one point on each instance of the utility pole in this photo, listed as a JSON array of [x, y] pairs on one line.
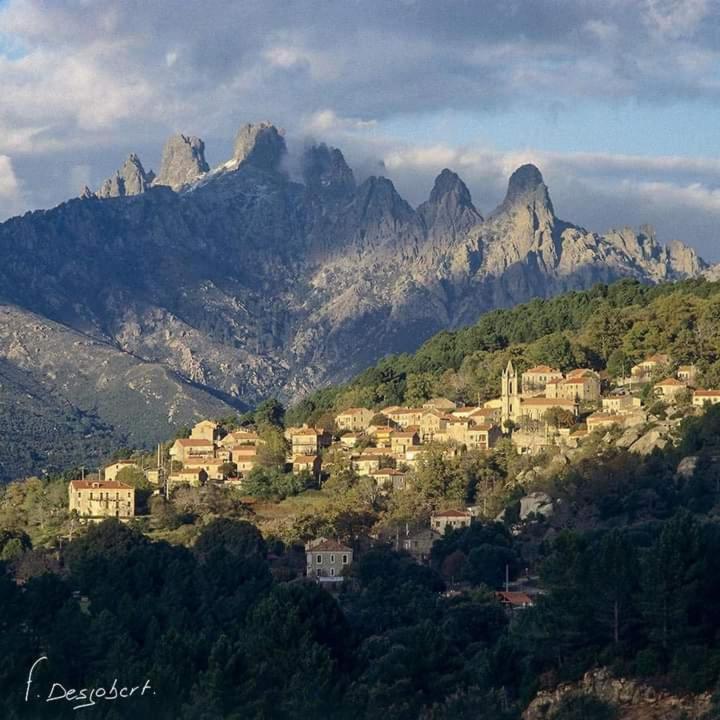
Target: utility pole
[[507, 577]]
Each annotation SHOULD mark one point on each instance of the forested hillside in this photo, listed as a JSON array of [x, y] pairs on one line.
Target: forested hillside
[[609, 327]]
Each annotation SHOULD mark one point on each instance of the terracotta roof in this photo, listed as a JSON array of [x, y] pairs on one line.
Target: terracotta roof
[[329, 546], [672, 382], [484, 427], [200, 461], [194, 442], [306, 431], [95, 485], [686, 368], [541, 370], [514, 598], [554, 381], [452, 513], [353, 411], [403, 433], [388, 471], [548, 402], [577, 372], [304, 459], [707, 393], [408, 411]]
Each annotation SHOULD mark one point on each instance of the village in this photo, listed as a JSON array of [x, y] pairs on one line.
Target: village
[[539, 408]]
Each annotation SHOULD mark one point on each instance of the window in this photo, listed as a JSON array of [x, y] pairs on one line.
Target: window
[[332, 572], [345, 559], [332, 559], [319, 559]]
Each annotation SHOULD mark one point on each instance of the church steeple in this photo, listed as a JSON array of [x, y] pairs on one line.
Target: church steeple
[[509, 393]]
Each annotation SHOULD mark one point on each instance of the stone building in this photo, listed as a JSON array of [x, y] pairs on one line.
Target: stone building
[[96, 500]]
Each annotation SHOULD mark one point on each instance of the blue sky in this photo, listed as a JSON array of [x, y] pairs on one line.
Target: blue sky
[[616, 101]]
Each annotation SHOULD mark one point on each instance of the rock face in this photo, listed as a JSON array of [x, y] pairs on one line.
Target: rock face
[[261, 145], [183, 162], [539, 503], [130, 179], [246, 284], [632, 699]]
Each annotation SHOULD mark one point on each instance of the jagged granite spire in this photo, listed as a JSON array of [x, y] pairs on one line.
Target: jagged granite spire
[[450, 208], [183, 161], [326, 173], [526, 188], [131, 179], [260, 145]]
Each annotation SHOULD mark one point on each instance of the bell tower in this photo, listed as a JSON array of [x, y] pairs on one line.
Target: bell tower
[[509, 394]]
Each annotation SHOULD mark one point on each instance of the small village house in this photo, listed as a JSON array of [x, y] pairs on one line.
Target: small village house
[[354, 419], [482, 437], [327, 560], [453, 519], [389, 478], [404, 417], [240, 437], [603, 420], [308, 441], [307, 463], [621, 404], [687, 374], [205, 430], [213, 467], [401, 440], [642, 371], [110, 472], [365, 464], [350, 440], [192, 476], [700, 398], [184, 449], [669, 388], [536, 378]]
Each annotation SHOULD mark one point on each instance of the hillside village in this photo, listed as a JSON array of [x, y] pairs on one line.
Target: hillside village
[[537, 409]]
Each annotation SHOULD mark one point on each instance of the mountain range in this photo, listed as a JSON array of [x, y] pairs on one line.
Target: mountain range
[[161, 298]]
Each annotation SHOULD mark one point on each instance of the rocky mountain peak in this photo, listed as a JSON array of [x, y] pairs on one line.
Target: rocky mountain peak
[[261, 145], [449, 208], [130, 179], [526, 188], [183, 161], [449, 183], [326, 173]]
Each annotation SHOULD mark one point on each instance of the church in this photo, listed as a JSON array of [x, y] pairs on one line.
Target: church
[[521, 408]]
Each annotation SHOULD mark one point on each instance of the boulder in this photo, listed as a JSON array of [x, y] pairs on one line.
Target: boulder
[[537, 502]]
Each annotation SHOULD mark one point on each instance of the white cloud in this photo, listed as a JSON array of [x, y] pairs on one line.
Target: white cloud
[[11, 200]]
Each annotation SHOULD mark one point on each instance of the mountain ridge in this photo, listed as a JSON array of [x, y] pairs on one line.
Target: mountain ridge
[[246, 283]]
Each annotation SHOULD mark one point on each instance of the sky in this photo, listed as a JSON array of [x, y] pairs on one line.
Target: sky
[[616, 101]]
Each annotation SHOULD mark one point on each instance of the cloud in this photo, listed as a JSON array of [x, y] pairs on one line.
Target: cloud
[[84, 83], [11, 199]]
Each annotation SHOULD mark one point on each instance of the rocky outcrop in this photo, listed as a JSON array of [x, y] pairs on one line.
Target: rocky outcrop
[[538, 503], [260, 145], [326, 174], [632, 699], [131, 179], [183, 162]]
